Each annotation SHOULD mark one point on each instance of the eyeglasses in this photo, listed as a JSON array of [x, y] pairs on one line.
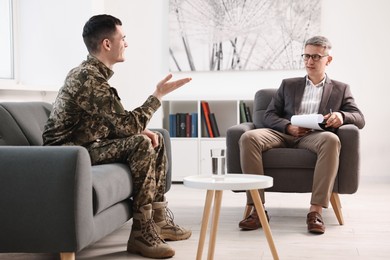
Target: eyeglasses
[[314, 57]]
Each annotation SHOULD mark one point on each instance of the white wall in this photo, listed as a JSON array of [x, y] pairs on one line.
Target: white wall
[[359, 32], [355, 27]]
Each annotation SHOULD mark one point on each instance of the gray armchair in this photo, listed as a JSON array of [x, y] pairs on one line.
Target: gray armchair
[[292, 169]]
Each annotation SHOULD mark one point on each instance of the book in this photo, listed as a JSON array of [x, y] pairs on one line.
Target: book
[[172, 125], [205, 109], [188, 125], [203, 128], [181, 124], [214, 125], [248, 114], [242, 112], [194, 124]]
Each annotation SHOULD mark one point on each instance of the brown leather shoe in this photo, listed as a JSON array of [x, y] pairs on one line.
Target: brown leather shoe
[[315, 224], [251, 222]]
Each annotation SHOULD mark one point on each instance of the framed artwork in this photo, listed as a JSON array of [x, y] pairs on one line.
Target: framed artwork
[[226, 35]]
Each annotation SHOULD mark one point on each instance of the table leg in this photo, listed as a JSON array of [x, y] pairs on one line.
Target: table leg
[[205, 221], [264, 222], [214, 224]]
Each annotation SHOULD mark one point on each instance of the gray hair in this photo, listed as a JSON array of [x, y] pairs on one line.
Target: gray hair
[[320, 41]]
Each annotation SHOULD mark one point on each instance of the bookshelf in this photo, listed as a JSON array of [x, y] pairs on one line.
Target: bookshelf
[[191, 155]]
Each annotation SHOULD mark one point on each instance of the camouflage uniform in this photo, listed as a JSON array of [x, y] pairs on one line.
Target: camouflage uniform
[[88, 112]]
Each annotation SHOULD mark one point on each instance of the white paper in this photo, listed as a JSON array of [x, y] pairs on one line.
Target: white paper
[[311, 121]]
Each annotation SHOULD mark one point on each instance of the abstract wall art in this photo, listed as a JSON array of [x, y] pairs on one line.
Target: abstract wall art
[[225, 35]]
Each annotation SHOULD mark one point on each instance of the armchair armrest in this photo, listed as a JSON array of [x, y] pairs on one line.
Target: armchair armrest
[[348, 174], [47, 191], [233, 134]]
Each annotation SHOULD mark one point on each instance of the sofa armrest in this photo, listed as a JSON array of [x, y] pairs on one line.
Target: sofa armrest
[[167, 140], [45, 199], [348, 174], [233, 134]]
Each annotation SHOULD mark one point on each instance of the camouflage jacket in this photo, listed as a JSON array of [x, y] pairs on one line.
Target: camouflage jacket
[[88, 109]]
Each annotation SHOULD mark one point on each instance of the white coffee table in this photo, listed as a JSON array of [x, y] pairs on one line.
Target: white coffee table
[[215, 187]]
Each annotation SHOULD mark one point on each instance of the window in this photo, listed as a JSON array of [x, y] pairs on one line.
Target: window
[[6, 40]]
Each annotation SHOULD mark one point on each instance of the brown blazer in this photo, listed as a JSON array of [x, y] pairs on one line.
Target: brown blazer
[[336, 96]]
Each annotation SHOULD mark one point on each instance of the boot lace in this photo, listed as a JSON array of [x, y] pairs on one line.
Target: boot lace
[[151, 233], [169, 217]]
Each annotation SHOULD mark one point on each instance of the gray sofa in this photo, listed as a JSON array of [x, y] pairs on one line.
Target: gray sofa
[[51, 198]]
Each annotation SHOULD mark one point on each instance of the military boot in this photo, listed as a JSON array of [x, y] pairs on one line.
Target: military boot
[[166, 228], [144, 239]]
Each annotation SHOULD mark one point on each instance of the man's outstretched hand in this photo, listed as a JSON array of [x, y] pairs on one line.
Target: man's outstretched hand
[[165, 86]]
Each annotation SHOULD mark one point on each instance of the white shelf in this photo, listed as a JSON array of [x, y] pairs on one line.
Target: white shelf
[[191, 155]]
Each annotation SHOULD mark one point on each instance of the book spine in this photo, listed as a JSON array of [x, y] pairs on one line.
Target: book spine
[[194, 124], [242, 112], [204, 128], [172, 125], [177, 125], [181, 124], [206, 113], [188, 125], [214, 125], [248, 114]]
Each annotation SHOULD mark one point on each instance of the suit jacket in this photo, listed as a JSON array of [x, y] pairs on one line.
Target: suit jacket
[[286, 102]]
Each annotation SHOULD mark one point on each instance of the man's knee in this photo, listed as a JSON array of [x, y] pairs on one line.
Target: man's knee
[[255, 138], [243, 141], [330, 140], [144, 144], [246, 140]]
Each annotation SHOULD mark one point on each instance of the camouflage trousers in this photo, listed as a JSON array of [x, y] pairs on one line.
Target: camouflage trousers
[[147, 164]]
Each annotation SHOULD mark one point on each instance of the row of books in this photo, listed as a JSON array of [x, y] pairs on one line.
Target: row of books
[[183, 125], [209, 120], [245, 113], [186, 124]]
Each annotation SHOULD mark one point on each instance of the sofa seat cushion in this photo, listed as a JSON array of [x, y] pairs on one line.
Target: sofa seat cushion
[[112, 183], [289, 158]]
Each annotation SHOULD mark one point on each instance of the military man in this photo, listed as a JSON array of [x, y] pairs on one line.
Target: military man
[[88, 112]]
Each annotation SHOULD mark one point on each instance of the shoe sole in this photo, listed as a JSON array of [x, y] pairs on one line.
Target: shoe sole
[[175, 238], [139, 252], [316, 231], [248, 229]]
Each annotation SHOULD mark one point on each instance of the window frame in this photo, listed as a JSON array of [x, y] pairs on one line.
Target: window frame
[[11, 43]]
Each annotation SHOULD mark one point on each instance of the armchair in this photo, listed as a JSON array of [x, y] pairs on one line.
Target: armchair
[[292, 169]]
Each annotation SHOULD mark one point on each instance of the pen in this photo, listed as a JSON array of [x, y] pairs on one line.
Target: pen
[[330, 111]]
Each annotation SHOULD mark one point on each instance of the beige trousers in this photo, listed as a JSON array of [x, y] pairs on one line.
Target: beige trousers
[[325, 144]]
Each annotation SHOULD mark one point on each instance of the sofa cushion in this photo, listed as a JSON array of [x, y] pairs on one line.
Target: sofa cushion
[[10, 133], [112, 183], [289, 158], [29, 119]]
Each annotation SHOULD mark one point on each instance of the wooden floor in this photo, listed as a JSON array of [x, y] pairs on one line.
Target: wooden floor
[[365, 235]]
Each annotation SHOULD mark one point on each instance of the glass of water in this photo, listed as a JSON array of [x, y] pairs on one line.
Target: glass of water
[[218, 162]]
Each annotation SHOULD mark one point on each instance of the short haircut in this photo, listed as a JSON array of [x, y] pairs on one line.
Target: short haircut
[[320, 41], [98, 28]]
